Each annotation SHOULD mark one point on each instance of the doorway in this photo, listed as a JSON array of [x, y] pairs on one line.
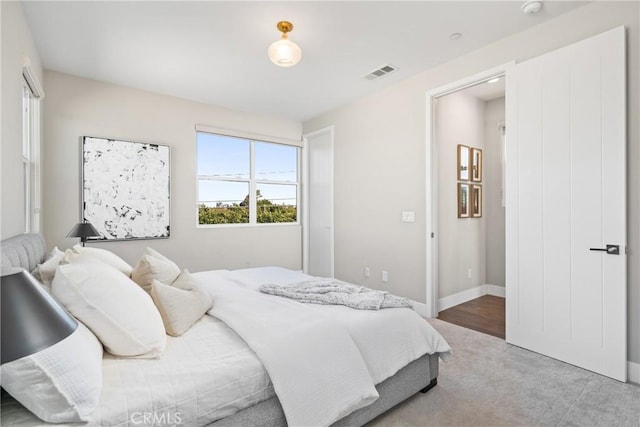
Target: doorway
[[468, 278], [469, 137], [566, 282]]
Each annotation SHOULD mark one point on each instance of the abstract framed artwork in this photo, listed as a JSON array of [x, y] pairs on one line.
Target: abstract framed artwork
[[476, 165], [463, 162], [463, 200], [126, 188], [476, 201]]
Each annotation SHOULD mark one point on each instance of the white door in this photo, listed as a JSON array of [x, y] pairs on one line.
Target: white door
[[566, 115], [318, 224]]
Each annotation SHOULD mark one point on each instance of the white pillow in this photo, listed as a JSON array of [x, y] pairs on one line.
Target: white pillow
[[44, 272], [154, 266], [79, 253], [61, 383], [180, 304], [121, 314]]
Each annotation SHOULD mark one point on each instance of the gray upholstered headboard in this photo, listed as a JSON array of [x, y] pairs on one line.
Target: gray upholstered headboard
[[26, 250]]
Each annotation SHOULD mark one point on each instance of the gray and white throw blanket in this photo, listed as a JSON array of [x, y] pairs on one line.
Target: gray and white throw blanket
[[336, 292]]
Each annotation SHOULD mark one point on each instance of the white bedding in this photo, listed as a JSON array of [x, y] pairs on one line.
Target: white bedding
[[298, 348], [387, 340], [204, 375], [210, 372]]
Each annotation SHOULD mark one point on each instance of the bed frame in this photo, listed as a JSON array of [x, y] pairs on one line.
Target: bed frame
[[28, 250], [405, 383]]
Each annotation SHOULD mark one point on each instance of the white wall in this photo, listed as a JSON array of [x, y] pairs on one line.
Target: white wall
[[16, 44], [492, 175], [380, 156], [459, 119], [75, 107]]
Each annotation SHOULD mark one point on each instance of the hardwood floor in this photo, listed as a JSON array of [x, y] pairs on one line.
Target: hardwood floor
[[484, 314]]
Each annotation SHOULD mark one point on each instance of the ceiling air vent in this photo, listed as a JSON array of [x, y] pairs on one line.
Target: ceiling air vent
[[379, 72]]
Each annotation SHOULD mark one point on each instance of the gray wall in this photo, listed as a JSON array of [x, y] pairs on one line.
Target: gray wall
[[75, 107], [493, 210], [459, 119], [16, 44], [380, 156]]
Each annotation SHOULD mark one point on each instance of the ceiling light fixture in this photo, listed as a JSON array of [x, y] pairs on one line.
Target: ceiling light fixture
[[494, 80], [284, 52], [455, 36]]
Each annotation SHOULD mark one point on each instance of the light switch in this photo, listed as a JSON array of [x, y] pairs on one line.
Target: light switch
[[408, 216]]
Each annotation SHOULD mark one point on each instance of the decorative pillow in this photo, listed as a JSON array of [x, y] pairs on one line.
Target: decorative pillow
[[180, 304], [61, 383], [154, 266], [44, 272], [121, 314], [79, 253]]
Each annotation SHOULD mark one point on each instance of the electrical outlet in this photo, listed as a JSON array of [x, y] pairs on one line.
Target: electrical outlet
[[385, 276], [469, 274], [367, 272]]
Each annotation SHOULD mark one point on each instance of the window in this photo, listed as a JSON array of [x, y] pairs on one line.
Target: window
[[245, 181], [26, 156], [31, 94]]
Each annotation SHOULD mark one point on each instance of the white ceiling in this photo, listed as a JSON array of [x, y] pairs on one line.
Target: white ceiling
[[215, 52], [487, 91]]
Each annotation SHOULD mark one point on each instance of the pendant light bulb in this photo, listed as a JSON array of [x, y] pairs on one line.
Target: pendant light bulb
[[284, 52]]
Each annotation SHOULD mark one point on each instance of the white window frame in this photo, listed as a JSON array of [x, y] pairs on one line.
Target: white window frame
[[31, 161], [26, 156], [252, 181]]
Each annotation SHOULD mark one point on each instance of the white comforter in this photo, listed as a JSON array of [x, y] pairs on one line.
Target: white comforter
[[302, 365]]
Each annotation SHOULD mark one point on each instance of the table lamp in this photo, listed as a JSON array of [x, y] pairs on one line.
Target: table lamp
[[31, 319], [83, 230]]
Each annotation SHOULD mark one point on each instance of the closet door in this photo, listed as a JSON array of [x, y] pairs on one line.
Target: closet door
[[318, 217], [566, 207]]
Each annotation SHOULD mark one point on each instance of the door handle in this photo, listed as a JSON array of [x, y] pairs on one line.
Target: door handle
[[610, 249]]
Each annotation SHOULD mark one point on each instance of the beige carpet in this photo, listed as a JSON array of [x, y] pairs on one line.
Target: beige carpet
[[488, 382]]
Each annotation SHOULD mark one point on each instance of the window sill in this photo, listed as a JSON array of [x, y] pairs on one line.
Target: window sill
[[261, 225]]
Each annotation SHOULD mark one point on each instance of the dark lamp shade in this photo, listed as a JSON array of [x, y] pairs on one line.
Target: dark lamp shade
[[31, 319], [83, 230]]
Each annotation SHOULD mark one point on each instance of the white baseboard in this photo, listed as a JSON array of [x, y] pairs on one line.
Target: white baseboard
[[496, 291], [469, 294], [633, 372], [461, 297]]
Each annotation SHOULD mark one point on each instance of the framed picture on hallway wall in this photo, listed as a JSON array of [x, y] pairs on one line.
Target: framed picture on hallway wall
[[476, 201], [463, 200], [476, 165], [125, 188], [463, 162]]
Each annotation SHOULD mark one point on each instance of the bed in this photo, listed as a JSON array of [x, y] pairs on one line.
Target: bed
[[212, 376]]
